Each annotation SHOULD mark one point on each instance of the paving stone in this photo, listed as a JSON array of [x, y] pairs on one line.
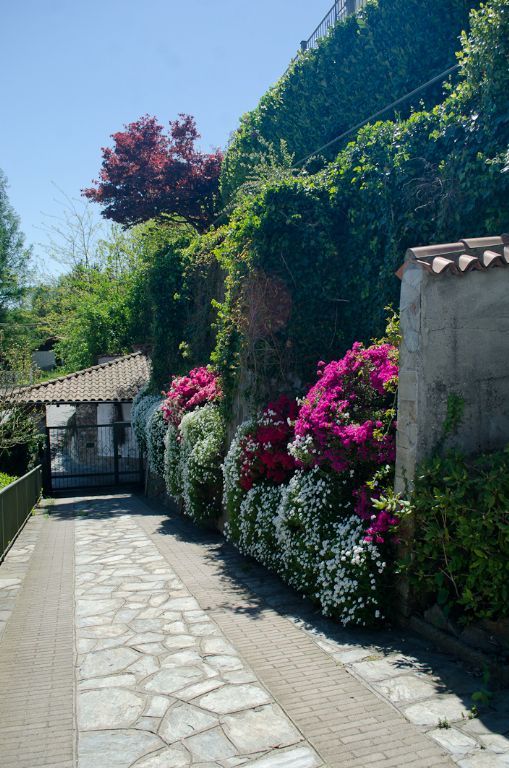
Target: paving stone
[[198, 689], [495, 742], [180, 641], [171, 757], [158, 706], [171, 680], [113, 681], [232, 698], [109, 708], [211, 745], [378, 669], [185, 720], [484, 759], [144, 667], [216, 645], [302, 757], [115, 749], [225, 663], [106, 662], [405, 688], [182, 657], [447, 708], [454, 741], [86, 608], [260, 730]]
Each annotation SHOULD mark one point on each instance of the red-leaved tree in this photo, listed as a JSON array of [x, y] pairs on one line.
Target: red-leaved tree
[[152, 174]]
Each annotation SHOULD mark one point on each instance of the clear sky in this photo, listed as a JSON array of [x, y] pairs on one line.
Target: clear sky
[[74, 71]]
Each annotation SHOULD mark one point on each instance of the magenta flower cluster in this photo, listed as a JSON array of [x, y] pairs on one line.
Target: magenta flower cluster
[[380, 521], [200, 386], [344, 415], [347, 424]]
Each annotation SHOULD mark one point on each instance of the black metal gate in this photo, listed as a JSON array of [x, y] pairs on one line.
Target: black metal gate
[[92, 456]]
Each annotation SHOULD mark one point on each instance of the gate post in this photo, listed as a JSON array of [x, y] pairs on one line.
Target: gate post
[[46, 464], [115, 452]]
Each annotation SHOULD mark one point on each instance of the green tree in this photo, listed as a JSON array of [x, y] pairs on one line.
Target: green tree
[[14, 265]]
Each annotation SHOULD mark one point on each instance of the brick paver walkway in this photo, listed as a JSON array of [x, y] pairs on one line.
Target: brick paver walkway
[[189, 654], [37, 655]]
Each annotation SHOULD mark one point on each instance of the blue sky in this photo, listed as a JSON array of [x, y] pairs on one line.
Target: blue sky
[[72, 72]]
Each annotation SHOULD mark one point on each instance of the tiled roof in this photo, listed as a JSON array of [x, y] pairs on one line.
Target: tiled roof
[[461, 257], [115, 381]]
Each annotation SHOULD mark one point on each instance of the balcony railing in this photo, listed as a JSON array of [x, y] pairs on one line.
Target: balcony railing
[[339, 11]]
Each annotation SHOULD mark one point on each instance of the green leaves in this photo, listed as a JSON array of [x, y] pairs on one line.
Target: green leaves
[[460, 556]]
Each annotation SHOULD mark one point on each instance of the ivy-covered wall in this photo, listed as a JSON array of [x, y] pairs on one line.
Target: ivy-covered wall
[[367, 62], [311, 259]]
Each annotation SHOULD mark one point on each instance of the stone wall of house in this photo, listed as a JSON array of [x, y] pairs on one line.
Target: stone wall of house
[[455, 332]]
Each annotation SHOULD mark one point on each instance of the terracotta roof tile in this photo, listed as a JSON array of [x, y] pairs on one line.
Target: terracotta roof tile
[[459, 258], [115, 381]]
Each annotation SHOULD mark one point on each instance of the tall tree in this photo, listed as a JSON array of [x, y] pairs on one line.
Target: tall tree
[[149, 174], [14, 256]]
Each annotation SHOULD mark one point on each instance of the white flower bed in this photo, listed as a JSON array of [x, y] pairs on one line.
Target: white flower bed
[[306, 531], [193, 462], [143, 406], [155, 435], [172, 468]]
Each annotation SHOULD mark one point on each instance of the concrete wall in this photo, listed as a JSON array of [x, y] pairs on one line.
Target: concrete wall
[[455, 341]]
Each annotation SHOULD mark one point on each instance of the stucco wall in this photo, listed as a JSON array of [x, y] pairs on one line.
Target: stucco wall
[[455, 341]]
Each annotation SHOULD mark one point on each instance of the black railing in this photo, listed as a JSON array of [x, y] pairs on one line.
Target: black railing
[[339, 11], [17, 501]]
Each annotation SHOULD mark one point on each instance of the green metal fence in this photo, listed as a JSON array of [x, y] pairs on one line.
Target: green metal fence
[[16, 503]]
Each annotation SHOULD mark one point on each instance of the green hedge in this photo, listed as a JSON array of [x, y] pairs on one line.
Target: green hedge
[[460, 553], [367, 61]]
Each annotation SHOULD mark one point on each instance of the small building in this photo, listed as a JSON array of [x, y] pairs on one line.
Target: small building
[[87, 419]]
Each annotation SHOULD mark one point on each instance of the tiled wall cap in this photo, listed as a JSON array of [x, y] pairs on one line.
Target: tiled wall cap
[[461, 257]]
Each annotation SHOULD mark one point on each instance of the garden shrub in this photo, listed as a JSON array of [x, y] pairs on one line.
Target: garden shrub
[[144, 403], [172, 470], [460, 548], [155, 437], [194, 444], [199, 386], [202, 436], [312, 516], [6, 479]]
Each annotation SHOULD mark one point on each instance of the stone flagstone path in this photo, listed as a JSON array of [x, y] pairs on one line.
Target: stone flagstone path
[[133, 639], [158, 684]]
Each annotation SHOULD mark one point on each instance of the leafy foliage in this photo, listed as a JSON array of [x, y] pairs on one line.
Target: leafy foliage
[[460, 552], [149, 174], [437, 176], [365, 63], [6, 479]]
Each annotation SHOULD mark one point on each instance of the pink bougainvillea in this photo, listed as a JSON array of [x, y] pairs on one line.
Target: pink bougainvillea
[[264, 451], [186, 393], [347, 417], [380, 521]]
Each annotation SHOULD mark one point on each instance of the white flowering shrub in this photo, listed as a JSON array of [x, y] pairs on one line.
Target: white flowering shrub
[[306, 531], [143, 406], [232, 491], [350, 571], [172, 465], [253, 527], [305, 517], [202, 436], [155, 435]]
